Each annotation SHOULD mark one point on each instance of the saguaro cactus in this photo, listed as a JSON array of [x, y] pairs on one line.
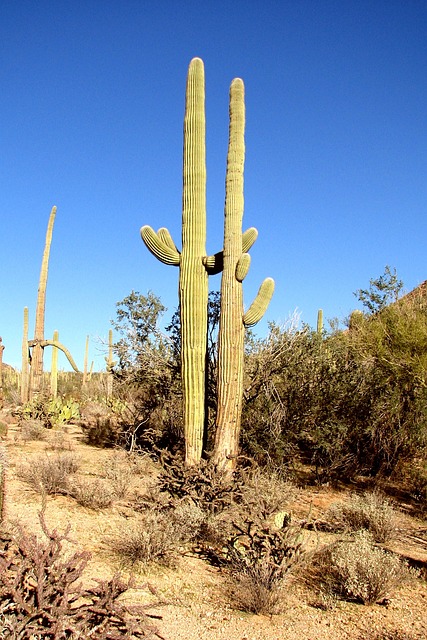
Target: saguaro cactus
[[232, 318], [54, 367], [193, 273], [36, 371], [25, 374]]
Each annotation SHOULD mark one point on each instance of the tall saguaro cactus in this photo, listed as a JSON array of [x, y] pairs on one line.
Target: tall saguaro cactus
[[36, 372], [193, 274], [233, 320]]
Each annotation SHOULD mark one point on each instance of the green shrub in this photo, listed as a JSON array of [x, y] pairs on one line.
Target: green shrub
[[356, 570], [369, 511]]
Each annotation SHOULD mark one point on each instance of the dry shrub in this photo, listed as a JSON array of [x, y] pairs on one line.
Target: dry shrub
[[119, 472], [151, 539], [40, 596], [356, 570], [258, 562], [265, 494], [93, 494], [50, 474], [370, 511], [59, 441], [33, 429]]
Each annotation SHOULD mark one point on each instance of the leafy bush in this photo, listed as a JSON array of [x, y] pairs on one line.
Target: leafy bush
[[369, 511], [40, 596], [50, 474], [356, 570], [348, 403]]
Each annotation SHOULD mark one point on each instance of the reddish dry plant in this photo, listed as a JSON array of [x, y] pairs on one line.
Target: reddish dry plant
[[41, 596]]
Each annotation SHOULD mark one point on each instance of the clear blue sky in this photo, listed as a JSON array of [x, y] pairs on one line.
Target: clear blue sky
[[91, 112]]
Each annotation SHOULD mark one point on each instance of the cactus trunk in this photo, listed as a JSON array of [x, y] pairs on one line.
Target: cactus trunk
[[25, 360], [236, 263], [193, 274], [54, 367], [193, 277], [36, 372], [231, 328]]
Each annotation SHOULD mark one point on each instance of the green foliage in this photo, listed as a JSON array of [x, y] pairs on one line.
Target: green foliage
[[356, 570], [382, 291], [351, 402], [137, 320], [51, 412]]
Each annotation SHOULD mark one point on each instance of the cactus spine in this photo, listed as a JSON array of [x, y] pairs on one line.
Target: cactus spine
[[193, 274], [232, 318], [36, 371]]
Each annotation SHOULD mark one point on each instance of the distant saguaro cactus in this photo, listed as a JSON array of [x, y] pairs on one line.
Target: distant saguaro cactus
[[54, 367], [25, 373], [233, 320], [36, 371]]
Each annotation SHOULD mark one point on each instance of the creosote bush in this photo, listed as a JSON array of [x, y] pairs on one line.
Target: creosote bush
[[356, 569], [50, 474], [41, 596], [369, 511]]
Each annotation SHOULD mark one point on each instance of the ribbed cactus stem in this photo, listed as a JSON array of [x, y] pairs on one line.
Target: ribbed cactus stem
[[193, 277], [231, 328], [110, 364], [25, 360], [320, 321], [36, 374], [85, 361], [236, 263], [260, 304], [54, 367]]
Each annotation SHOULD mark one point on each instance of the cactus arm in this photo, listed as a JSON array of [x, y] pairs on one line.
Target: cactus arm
[[162, 251], [260, 304], [58, 345], [215, 263], [242, 267], [248, 238], [164, 235]]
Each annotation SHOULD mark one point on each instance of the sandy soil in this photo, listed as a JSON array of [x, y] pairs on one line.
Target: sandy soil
[[197, 604]]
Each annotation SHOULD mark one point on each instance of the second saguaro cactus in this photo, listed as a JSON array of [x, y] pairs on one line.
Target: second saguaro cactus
[[193, 274], [233, 320]]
